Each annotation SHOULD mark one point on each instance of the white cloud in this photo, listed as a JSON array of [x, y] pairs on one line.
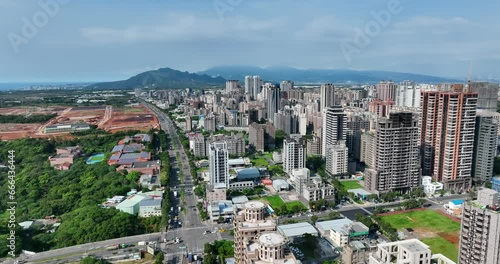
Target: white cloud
[[422, 21], [178, 27]]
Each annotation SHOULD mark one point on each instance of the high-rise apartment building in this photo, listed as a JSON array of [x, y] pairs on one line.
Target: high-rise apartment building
[[294, 153], [235, 143], [485, 145], [197, 144], [480, 230], [232, 85], [261, 136], [487, 95], [286, 86], [249, 85], [327, 96], [334, 127], [257, 84], [273, 101], [386, 91], [337, 159], [447, 136], [218, 164], [408, 94], [397, 166]]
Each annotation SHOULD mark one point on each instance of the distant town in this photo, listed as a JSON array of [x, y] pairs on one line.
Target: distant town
[[257, 172]]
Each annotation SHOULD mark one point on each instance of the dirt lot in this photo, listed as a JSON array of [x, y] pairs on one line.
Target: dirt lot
[[14, 131], [137, 118], [31, 110]]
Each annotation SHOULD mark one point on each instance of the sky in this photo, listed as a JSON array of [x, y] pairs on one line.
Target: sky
[[104, 40]]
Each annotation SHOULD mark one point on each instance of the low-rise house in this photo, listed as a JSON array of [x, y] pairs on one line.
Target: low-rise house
[[64, 166], [144, 167], [431, 187], [342, 231], [220, 209], [148, 208], [132, 204], [59, 159]]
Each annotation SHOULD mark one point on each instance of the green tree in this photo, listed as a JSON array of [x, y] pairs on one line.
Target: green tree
[[133, 176], [159, 258], [333, 215], [314, 219]]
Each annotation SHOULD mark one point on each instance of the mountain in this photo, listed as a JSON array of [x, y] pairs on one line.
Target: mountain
[[163, 78], [277, 74]]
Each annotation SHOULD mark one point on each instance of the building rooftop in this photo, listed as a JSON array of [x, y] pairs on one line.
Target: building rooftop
[[298, 229], [154, 202], [359, 191], [272, 239], [357, 245], [133, 200], [239, 199], [334, 224], [254, 205], [414, 245]]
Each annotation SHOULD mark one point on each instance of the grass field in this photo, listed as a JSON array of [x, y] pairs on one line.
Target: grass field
[[348, 185], [277, 202], [434, 229], [427, 219], [260, 162], [443, 246]]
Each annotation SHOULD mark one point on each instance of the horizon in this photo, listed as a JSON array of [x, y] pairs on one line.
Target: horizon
[[96, 41]]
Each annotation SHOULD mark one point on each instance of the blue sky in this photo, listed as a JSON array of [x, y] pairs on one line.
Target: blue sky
[[95, 40]]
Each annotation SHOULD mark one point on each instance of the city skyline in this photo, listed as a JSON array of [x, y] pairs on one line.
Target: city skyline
[[105, 41]]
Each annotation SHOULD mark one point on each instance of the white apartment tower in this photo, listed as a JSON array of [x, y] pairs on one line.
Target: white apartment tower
[[327, 96], [408, 95], [218, 164], [334, 127], [294, 153], [337, 159], [257, 84]]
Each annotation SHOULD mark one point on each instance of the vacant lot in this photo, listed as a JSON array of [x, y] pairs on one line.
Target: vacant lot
[[348, 185], [441, 233], [131, 118], [440, 244]]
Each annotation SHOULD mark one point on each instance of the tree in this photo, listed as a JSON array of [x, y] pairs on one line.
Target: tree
[[314, 219], [221, 219], [133, 176], [333, 215], [159, 258]]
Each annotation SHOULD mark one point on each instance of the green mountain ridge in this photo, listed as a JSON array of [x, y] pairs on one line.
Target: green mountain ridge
[[163, 78]]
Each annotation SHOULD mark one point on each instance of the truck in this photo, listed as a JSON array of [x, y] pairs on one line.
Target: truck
[[141, 243], [113, 247], [190, 257]]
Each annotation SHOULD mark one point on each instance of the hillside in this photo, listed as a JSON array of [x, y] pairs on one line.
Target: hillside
[[163, 78], [277, 74]]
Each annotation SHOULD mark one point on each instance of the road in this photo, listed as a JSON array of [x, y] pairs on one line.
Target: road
[[190, 219]]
